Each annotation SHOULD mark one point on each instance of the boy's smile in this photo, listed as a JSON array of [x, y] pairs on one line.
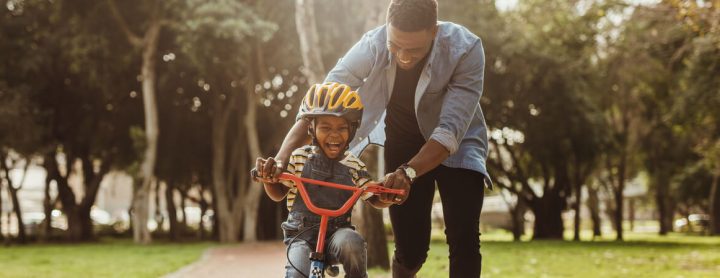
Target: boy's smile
[[332, 134]]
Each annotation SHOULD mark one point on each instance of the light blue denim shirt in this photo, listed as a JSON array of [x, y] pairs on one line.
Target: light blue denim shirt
[[446, 99]]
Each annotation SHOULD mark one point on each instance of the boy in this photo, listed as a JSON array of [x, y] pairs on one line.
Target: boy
[[334, 112]]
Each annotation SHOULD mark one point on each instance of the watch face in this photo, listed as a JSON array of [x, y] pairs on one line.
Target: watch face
[[410, 172]]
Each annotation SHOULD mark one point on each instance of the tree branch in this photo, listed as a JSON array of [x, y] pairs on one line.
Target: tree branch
[[133, 38]]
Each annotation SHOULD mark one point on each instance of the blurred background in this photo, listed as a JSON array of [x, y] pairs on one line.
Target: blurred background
[[139, 121]]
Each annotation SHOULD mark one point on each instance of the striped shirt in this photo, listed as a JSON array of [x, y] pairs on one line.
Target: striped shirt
[[300, 156]]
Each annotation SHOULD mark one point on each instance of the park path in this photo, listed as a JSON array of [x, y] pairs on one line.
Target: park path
[[245, 260], [258, 259]]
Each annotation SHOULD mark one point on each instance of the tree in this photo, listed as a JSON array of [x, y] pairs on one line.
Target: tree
[[696, 107], [78, 117], [148, 44], [537, 81], [309, 40], [19, 135]]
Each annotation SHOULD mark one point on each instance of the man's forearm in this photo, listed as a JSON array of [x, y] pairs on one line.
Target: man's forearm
[[296, 137], [430, 156]]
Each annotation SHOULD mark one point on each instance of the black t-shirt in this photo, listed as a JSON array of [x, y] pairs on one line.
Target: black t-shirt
[[401, 127]]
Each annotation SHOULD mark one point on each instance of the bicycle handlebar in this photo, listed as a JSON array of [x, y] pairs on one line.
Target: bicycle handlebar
[[374, 188]]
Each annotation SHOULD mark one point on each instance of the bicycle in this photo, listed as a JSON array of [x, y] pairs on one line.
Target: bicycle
[[317, 258]]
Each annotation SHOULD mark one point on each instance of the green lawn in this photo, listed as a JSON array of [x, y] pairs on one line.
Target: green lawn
[[108, 258], [641, 255]]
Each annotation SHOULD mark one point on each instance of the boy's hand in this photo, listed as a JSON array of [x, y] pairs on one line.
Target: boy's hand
[[269, 168], [396, 180]]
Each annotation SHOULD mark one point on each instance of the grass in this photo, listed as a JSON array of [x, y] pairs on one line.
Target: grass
[[641, 255], [108, 258]]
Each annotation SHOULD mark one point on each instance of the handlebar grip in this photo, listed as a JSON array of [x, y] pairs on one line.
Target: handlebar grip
[[254, 173]]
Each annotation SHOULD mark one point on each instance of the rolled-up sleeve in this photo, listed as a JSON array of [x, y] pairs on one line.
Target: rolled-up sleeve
[[461, 100], [354, 67]]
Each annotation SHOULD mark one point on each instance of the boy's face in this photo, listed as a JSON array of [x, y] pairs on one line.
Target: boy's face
[[332, 134]]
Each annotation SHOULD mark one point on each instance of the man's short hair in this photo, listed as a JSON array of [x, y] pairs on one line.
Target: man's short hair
[[412, 15]]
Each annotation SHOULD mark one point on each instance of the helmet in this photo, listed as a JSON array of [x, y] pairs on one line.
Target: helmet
[[332, 99]]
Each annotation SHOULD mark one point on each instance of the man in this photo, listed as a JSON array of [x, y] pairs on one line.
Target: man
[[424, 79]]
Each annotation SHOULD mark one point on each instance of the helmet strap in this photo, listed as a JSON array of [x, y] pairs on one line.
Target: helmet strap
[[311, 132]]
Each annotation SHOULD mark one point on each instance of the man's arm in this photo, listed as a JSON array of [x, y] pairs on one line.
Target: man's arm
[[297, 137], [350, 70]]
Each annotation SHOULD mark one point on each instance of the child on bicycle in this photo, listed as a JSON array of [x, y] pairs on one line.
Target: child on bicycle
[[335, 112]]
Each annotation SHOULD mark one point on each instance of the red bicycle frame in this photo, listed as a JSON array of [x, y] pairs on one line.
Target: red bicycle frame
[[326, 213]]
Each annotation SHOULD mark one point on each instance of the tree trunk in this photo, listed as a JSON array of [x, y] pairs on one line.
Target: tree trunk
[[576, 207], [227, 224], [618, 217], [309, 41], [517, 215], [142, 234], [548, 217], [369, 223], [631, 213], [171, 210], [2, 236], [46, 229], [149, 44], [254, 191], [715, 205], [665, 212], [183, 198], [594, 208], [12, 193], [158, 216], [86, 224]]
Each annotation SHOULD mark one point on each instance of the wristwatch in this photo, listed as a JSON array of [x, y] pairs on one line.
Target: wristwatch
[[409, 172]]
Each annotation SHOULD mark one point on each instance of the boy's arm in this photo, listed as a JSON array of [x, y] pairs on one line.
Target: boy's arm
[[296, 137], [276, 191]]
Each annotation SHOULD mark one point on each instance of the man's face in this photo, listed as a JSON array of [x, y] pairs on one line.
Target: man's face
[[332, 134], [409, 48]]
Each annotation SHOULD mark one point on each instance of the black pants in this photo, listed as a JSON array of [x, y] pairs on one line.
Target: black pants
[[461, 192]]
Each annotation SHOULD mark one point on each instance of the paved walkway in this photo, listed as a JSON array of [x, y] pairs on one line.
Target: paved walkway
[[245, 260], [260, 259]]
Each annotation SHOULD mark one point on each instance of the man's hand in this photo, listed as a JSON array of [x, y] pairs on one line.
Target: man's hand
[[269, 169], [396, 180]]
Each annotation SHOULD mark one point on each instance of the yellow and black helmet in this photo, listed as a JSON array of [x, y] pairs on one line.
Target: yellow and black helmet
[[332, 99]]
